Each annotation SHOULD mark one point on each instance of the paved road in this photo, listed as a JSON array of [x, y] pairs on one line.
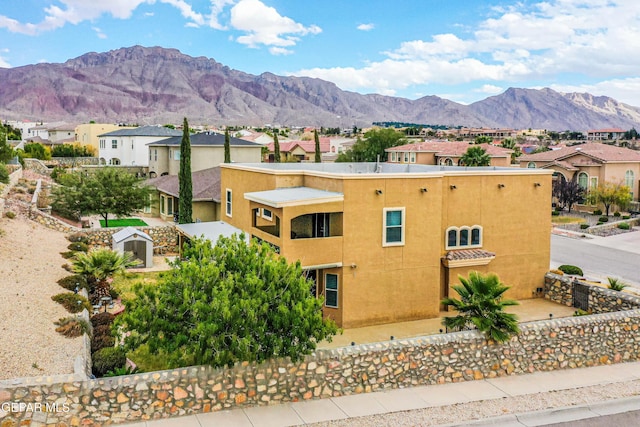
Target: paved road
[[617, 420], [599, 258]]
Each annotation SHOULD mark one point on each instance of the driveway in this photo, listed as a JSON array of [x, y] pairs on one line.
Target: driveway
[[600, 257]]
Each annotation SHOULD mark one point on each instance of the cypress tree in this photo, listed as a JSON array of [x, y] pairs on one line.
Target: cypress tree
[[276, 147], [227, 147], [184, 177], [317, 140]]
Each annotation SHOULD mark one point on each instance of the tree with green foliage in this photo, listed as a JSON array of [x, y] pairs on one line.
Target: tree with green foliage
[[185, 195], [4, 174], [35, 150], [631, 134], [276, 147], [227, 147], [483, 139], [106, 191], [373, 146], [228, 303], [6, 151], [475, 156], [316, 138], [72, 150], [511, 144], [98, 265], [610, 193], [481, 306]]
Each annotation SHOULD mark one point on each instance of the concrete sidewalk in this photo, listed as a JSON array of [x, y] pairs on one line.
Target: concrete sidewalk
[[359, 405]]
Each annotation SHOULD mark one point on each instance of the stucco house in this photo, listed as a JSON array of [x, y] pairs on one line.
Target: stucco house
[[590, 164], [446, 153], [301, 151], [128, 147], [608, 134], [86, 134], [205, 187], [207, 151], [385, 242]]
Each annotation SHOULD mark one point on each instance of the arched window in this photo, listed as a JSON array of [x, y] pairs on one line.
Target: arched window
[[448, 162], [583, 180], [464, 237], [531, 165], [452, 238], [475, 236]]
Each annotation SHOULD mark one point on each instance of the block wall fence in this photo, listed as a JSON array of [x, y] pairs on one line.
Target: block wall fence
[[564, 343]]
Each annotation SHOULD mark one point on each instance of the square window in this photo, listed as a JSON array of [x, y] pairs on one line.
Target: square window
[[267, 214], [393, 230], [331, 290]]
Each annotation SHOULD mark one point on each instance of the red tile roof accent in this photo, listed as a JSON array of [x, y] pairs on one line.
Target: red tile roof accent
[[603, 152], [462, 254]]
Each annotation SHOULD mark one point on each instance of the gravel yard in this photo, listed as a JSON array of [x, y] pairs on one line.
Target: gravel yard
[[30, 265]]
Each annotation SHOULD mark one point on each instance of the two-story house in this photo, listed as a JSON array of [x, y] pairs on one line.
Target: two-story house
[[590, 164], [385, 242], [86, 134], [445, 153], [207, 151], [128, 147]]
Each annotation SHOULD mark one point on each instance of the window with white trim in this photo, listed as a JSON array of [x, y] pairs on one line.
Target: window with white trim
[[162, 204], [176, 154], [393, 226], [629, 178], [531, 165], [463, 237], [594, 182], [228, 202], [267, 214], [413, 157], [103, 144], [155, 154], [583, 180], [406, 157], [114, 143], [331, 290]]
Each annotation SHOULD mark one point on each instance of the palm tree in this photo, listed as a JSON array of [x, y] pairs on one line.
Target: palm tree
[[476, 156], [481, 306], [99, 265]]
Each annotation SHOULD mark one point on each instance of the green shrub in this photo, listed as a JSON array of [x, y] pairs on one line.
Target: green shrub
[[102, 341], [597, 212], [108, 359], [67, 254], [616, 284], [624, 226], [125, 370], [598, 223], [584, 226], [72, 327], [616, 214], [70, 282], [580, 312], [78, 237], [74, 303], [571, 269], [555, 213], [603, 219], [10, 214], [78, 247], [626, 216], [102, 319], [4, 174]]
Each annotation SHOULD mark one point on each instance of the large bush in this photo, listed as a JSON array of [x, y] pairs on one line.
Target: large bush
[[108, 359], [70, 282], [74, 303], [102, 319], [571, 269], [4, 174]]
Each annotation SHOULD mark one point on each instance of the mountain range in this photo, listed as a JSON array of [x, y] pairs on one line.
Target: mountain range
[[149, 85]]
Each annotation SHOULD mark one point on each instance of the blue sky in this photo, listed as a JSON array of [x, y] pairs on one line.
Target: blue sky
[[462, 50]]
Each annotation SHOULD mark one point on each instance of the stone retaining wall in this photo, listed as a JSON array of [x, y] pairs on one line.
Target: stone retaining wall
[[14, 177], [37, 165], [49, 221], [542, 346], [633, 222], [72, 161], [559, 289]]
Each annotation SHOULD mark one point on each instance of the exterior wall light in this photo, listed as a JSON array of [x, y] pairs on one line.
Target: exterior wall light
[[536, 184], [500, 185], [378, 192], [423, 190], [453, 187]]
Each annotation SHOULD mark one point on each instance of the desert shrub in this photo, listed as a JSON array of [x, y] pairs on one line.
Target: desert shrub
[[10, 214], [580, 312], [603, 219], [626, 216], [78, 247], [584, 226], [72, 327], [599, 223], [624, 226], [74, 303], [67, 267], [78, 237], [597, 212], [108, 359], [556, 271], [99, 342], [67, 254], [616, 214], [616, 284], [555, 213], [4, 174], [103, 329], [102, 319], [70, 282], [571, 269]]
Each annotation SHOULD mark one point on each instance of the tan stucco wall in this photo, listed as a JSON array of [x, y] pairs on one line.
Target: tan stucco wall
[[387, 284], [87, 134]]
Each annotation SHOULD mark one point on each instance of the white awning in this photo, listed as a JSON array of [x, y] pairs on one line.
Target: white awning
[[293, 196]]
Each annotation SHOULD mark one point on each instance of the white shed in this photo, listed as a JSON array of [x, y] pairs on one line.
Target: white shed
[[131, 239]]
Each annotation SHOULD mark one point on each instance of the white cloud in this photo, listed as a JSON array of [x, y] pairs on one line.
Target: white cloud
[[489, 89], [217, 9], [546, 40], [274, 50], [99, 33], [186, 11], [366, 27], [4, 63], [623, 90], [263, 25]]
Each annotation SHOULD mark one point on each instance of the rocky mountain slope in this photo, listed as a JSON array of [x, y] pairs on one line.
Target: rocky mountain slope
[[158, 85]]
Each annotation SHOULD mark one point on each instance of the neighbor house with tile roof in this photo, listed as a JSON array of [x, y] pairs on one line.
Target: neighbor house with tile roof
[[206, 195], [386, 242], [301, 151], [590, 164], [609, 134], [445, 153], [207, 151]]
